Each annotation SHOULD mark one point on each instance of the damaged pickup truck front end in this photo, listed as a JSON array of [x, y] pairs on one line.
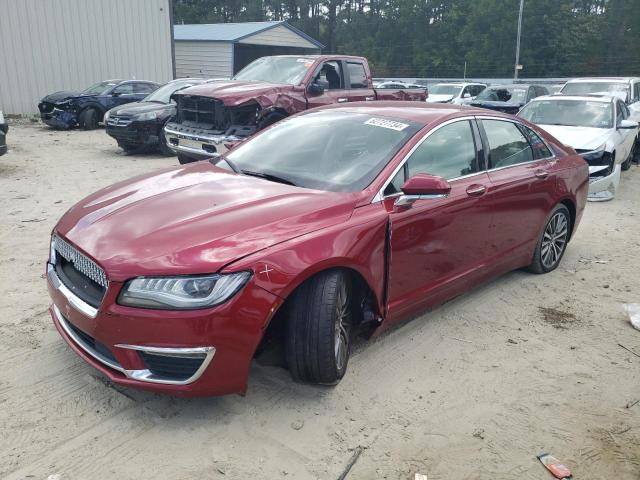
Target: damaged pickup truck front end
[[266, 91]]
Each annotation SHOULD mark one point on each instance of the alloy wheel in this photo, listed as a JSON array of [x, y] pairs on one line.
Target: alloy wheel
[[342, 325], [554, 240]]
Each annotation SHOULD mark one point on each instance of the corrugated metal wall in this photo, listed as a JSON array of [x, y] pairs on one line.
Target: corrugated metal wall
[[203, 59], [50, 45], [279, 35]]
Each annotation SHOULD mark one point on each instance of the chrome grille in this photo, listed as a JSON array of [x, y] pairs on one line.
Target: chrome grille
[[114, 121], [80, 261]]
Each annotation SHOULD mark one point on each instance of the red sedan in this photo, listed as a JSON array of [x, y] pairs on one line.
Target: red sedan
[[341, 219]]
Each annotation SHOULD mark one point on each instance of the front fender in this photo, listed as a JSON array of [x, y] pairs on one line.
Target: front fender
[[358, 244]]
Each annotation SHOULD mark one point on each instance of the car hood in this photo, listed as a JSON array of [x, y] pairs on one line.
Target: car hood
[[439, 98], [137, 108], [579, 138], [194, 219], [236, 92], [61, 96], [496, 105]]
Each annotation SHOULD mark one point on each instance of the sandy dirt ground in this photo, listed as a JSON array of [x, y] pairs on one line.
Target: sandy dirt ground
[[474, 389]]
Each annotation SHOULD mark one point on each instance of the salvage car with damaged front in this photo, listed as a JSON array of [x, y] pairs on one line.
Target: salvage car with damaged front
[[139, 125], [341, 221], [68, 109], [263, 93], [598, 127]]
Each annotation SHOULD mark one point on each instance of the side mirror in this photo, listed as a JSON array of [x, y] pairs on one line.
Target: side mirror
[[627, 125], [422, 186], [466, 95], [318, 87]]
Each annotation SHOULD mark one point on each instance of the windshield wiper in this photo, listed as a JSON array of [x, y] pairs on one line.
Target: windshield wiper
[[217, 157], [268, 176]]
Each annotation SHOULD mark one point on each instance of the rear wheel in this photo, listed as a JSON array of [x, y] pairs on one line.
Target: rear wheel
[[553, 241], [319, 326], [89, 119]]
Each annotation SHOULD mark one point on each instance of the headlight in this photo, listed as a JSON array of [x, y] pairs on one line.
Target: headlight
[[147, 116], [170, 293], [594, 154]]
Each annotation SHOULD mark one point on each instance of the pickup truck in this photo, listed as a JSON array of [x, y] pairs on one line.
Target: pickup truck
[[267, 90]]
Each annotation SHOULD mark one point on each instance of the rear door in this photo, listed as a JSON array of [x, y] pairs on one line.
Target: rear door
[[522, 182], [358, 82], [437, 244], [331, 75]]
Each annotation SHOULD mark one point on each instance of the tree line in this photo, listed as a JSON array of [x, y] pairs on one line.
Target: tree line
[[443, 38]]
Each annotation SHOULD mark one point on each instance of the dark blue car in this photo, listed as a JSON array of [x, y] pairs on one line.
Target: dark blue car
[[87, 108]]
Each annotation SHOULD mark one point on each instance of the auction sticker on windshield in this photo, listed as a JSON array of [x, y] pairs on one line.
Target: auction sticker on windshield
[[384, 123]]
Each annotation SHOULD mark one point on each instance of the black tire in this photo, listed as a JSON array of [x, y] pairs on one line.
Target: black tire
[[554, 237], [627, 163], [128, 148], [313, 315], [270, 119], [183, 159], [88, 119]]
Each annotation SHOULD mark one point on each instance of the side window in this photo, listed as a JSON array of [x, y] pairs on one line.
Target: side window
[[123, 89], [357, 76], [636, 91], [540, 149], [619, 112], [331, 73], [449, 152], [395, 184], [468, 89], [625, 110], [507, 144], [143, 88], [477, 89]]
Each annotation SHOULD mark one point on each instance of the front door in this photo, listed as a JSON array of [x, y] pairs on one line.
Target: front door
[[437, 244], [331, 76]]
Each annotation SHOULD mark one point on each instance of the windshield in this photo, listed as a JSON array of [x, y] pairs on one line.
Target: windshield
[[99, 88], [575, 113], [335, 151], [503, 94], [444, 89], [163, 94], [276, 70], [585, 88]]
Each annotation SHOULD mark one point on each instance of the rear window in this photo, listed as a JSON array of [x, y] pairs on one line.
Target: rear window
[[357, 75]]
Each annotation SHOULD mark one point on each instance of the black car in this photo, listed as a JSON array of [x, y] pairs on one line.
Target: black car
[[66, 110], [4, 128], [508, 98], [139, 125]]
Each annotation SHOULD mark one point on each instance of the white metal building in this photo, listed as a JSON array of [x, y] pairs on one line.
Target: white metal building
[[222, 49], [51, 45]]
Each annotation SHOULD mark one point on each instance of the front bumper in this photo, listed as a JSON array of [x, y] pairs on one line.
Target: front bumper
[[603, 188], [138, 348], [143, 134], [196, 143], [58, 118]]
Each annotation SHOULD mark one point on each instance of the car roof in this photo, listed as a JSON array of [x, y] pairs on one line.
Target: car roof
[[422, 113], [514, 85], [586, 98], [602, 79]]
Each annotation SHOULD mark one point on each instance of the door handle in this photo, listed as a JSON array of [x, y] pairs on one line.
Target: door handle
[[476, 190], [541, 173], [342, 100]]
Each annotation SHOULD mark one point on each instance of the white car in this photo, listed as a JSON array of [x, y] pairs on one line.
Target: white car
[[457, 93], [598, 127], [627, 88]]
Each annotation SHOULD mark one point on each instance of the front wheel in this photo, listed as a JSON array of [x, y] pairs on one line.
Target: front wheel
[[553, 241], [183, 159], [89, 119], [319, 326]]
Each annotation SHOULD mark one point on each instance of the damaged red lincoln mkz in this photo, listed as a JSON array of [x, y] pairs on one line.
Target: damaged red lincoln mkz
[[343, 219]]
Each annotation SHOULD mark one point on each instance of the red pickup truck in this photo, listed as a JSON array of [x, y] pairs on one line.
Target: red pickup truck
[[264, 92]]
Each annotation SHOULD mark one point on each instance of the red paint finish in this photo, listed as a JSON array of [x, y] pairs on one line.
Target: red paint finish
[[202, 219], [295, 98]]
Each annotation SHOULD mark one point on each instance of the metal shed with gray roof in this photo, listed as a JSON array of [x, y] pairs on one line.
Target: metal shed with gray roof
[[222, 49]]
